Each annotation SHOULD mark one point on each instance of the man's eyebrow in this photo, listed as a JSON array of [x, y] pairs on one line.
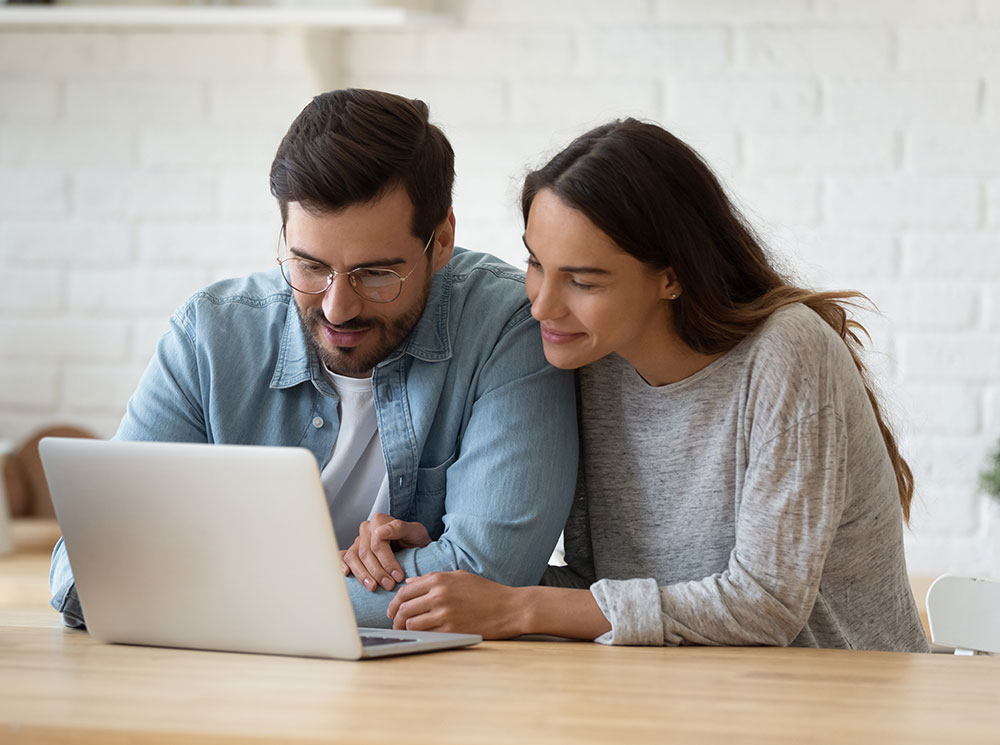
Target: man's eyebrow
[[365, 264], [570, 269]]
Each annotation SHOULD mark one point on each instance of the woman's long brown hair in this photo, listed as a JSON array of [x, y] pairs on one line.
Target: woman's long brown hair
[[659, 201]]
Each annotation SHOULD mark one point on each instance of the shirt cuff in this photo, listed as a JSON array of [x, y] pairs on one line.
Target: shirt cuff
[[632, 606], [63, 588]]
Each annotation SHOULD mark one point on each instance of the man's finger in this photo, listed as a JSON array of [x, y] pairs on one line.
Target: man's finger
[[374, 567], [383, 552], [356, 567], [409, 535]]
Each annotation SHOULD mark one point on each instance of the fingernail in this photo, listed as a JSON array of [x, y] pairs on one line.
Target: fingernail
[[370, 583], [397, 575], [387, 583]]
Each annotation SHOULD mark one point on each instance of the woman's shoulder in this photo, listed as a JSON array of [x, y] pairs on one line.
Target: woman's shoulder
[[796, 335], [796, 323], [798, 363]]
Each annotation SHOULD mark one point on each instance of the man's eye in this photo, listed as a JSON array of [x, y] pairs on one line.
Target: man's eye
[[375, 277], [311, 267]]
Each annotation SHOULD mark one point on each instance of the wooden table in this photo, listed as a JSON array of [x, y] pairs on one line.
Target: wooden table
[[60, 686]]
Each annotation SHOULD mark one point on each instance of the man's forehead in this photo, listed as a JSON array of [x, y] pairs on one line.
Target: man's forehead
[[357, 235]]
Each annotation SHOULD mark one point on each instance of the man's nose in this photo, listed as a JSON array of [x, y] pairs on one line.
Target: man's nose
[[340, 302]]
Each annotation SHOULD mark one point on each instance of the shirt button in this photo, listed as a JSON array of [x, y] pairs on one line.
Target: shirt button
[[317, 422]]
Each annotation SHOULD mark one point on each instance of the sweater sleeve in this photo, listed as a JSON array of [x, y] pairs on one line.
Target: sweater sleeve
[[792, 499]]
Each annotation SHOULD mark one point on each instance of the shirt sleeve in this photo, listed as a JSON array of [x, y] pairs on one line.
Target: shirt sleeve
[[509, 490], [792, 500], [63, 589], [166, 405], [163, 407]]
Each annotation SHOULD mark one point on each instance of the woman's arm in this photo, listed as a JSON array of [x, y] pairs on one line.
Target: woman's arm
[[792, 500], [464, 602]]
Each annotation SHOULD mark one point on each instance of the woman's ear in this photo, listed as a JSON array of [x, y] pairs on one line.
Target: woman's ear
[[444, 241], [670, 286]]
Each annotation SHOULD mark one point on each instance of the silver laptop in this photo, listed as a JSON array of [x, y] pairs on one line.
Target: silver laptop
[[220, 547]]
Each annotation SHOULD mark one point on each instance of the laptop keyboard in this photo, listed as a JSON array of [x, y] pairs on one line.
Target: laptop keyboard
[[375, 641]]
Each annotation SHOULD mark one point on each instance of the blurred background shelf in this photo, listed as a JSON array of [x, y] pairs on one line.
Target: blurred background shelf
[[217, 16]]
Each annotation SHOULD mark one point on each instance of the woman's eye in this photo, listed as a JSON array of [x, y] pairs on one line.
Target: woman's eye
[[581, 285], [532, 263]]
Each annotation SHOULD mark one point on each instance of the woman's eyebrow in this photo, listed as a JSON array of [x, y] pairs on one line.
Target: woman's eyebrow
[[569, 269]]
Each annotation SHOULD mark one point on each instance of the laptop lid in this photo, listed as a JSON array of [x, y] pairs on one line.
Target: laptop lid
[[222, 547]]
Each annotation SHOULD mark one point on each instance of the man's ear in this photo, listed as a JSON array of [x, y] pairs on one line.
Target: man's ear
[[670, 286], [444, 241]]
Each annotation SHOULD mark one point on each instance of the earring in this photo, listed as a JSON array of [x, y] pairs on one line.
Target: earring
[[674, 296]]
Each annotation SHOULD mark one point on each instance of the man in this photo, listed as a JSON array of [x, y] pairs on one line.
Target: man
[[411, 369]]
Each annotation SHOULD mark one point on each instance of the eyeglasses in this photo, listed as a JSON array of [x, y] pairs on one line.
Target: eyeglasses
[[314, 278]]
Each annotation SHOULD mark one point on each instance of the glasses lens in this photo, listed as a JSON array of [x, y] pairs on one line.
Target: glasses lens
[[306, 276], [380, 285]]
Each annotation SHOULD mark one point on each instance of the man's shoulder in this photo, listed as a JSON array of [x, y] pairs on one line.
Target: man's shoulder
[[475, 267], [482, 287], [231, 310], [257, 290], [474, 301]]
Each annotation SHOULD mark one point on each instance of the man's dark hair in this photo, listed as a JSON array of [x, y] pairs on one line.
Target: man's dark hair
[[351, 146]]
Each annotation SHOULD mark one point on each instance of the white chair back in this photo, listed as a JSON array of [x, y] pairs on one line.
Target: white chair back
[[964, 613]]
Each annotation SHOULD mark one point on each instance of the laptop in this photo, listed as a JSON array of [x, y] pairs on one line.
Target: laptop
[[218, 547]]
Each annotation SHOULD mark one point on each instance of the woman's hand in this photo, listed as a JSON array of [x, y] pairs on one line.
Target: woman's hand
[[371, 558], [458, 602]]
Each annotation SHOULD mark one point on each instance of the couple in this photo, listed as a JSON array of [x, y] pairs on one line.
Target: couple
[[736, 482]]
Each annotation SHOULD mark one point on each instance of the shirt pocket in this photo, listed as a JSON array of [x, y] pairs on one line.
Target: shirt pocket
[[432, 488]]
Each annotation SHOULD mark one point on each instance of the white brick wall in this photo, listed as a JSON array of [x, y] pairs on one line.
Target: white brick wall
[[901, 101], [32, 191], [26, 288], [905, 200], [646, 51], [814, 48], [701, 102], [860, 136]]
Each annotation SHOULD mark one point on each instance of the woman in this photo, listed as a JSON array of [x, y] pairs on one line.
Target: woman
[[739, 484]]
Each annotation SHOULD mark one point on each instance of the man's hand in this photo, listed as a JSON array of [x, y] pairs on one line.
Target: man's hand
[[458, 602], [371, 557]]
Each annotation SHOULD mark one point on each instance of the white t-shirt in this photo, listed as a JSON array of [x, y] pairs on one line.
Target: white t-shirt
[[355, 479]]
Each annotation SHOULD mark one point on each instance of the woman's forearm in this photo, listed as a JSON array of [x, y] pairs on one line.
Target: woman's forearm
[[559, 611]]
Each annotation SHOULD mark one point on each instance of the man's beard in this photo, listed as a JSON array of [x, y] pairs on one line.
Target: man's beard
[[358, 362]]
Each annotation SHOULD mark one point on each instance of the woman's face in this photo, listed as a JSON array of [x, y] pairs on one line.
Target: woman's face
[[590, 297]]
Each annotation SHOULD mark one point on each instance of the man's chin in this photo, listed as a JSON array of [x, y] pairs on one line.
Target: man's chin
[[349, 361]]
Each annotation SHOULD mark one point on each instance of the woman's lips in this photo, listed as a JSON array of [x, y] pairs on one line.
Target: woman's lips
[[559, 337]]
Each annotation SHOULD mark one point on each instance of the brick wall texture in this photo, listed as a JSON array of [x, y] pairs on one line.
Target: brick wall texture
[[858, 135]]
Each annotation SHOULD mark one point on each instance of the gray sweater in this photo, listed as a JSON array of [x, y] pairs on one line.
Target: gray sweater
[[751, 503]]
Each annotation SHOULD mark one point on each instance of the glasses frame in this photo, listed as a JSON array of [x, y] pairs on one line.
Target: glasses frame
[[351, 278]]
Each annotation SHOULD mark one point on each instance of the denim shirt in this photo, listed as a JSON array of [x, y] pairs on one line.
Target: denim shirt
[[478, 431]]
